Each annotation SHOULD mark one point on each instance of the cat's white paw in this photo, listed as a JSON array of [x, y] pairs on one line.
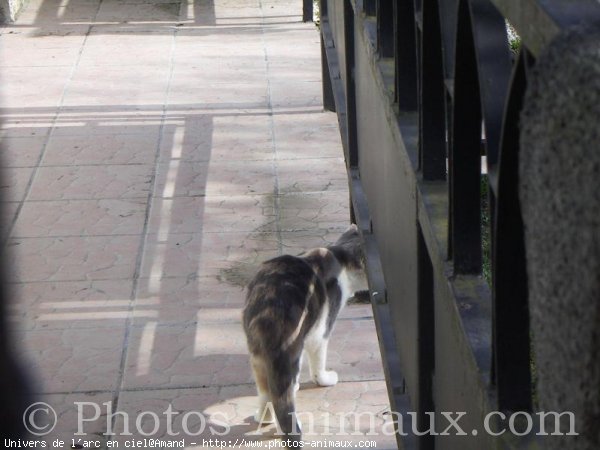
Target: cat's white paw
[[264, 416], [326, 378]]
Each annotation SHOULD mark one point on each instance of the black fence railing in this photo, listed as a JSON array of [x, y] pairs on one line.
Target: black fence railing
[[429, 95]]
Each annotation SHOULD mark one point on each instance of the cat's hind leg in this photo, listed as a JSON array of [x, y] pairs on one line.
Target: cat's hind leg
[[297, 379], [317, 357], [263, 413]]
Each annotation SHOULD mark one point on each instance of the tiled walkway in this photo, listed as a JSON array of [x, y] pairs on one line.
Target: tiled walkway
[[154, 152]]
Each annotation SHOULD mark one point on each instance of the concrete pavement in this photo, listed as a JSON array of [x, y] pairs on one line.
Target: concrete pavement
[[154, 152]]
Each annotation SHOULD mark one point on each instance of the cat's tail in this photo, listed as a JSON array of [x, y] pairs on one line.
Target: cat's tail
[[281, 381]]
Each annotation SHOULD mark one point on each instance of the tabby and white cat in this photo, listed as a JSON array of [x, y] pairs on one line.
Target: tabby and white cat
[[291, 306]]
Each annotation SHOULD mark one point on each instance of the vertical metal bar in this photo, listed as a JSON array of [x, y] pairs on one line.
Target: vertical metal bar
[[489, 31], [307, 10], [465, 153], [385, 28], [418, 7], [350, 87], [512, 366], [426, 345], [328, 98], [418, 24], [448, 15], [323, 10], [405, 55], [432, 142]]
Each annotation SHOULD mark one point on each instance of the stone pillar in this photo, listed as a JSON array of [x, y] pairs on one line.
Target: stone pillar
[[9, 9], [560, 200]]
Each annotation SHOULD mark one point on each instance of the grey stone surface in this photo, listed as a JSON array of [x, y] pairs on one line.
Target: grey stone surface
[[560, 197], [9, 9]]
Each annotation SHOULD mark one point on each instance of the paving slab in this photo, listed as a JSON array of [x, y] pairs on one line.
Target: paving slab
[[62, 218], [73, 304], [154, 153]]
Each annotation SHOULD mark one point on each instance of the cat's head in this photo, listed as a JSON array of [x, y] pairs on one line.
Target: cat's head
[[354, 260], [351, 242], [350, 235]]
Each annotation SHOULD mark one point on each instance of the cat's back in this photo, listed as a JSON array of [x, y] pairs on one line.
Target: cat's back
[[280, 280], [277, 297]]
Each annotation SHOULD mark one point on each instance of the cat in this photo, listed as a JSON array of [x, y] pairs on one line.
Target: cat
[[291, 307]]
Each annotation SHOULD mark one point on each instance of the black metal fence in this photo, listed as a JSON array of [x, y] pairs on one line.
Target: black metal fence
[[428, 95]]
